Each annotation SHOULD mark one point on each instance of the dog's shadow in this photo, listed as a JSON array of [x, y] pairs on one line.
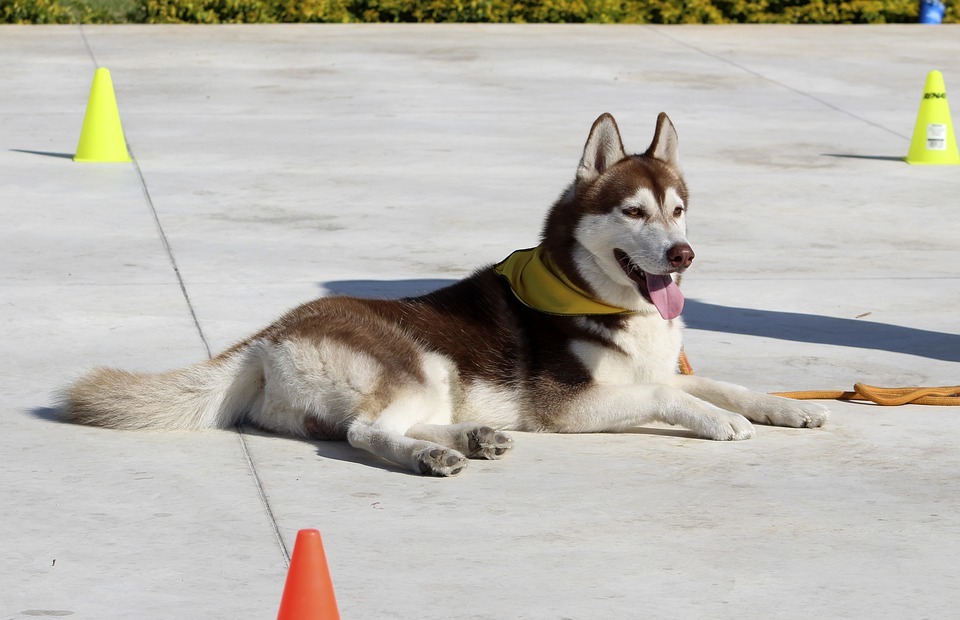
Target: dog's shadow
[[334, 450], [385, 289], [792, 326], [813, 328], [48, 414]]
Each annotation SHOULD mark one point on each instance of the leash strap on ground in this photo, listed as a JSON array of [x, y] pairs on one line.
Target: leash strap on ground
[[890, 397]]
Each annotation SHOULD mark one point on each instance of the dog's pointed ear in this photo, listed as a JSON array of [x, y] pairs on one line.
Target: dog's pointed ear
[[664, 145], [604, 148]]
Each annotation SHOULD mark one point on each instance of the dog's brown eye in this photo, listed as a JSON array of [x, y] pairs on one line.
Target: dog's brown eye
[[636, 212], [678, 212]]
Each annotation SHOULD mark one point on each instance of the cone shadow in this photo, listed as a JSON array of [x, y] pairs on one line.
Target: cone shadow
[[44, 153], [873, 157]]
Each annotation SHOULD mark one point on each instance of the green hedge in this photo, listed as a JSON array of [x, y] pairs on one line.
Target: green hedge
[[63, 11], [34, 12], [519, 11], [549, 11]]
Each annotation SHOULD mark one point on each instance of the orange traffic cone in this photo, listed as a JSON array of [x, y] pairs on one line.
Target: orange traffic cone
[[308, 593]]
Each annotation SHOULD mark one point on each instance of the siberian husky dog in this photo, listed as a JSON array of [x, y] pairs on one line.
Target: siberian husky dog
[[579, 334]]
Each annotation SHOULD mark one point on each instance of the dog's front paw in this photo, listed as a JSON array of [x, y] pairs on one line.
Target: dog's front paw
[[740, 428], [440, 462], [796, 414], [727, 427]]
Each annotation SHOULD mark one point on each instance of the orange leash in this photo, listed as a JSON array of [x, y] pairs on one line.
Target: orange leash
[[889, 397]]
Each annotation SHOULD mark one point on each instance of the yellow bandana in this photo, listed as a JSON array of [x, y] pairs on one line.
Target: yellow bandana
[[536, 281]]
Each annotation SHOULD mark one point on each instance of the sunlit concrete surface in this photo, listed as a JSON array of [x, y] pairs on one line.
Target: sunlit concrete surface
[[275, 164]]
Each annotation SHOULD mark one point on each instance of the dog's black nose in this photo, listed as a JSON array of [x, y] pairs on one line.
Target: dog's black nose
[[680, 256]]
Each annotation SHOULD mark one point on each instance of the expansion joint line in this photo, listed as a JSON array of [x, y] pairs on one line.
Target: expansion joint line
[[86, 43], [169, 251], [251, 466], [263, 496], [797, 91], [156, 220], [258, 483]]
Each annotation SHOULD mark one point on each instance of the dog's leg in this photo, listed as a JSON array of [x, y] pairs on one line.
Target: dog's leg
[[616, 407], [383, 432], [423, 457], [761, 408], [477, 442]]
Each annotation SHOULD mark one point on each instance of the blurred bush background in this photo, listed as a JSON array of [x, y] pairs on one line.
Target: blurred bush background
[[476, 11]]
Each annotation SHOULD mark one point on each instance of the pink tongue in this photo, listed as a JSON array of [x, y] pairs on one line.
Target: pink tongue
[[666, 295]]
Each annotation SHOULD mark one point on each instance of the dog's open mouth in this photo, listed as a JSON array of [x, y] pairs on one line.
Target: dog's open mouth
[[660, 290]]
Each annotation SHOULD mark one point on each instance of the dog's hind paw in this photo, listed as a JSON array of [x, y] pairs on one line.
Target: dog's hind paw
[[440, 462], [487, 443]]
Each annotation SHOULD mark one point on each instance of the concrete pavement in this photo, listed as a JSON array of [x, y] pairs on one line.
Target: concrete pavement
[[277, 163]]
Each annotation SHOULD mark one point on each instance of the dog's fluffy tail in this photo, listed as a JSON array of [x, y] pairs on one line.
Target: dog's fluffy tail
[[211, 394]]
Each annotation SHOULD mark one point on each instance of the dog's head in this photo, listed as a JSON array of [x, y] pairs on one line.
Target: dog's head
[[619, 231]]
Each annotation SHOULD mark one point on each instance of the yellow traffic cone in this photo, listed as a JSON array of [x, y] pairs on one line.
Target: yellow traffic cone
[[933, 139], [101, 139]]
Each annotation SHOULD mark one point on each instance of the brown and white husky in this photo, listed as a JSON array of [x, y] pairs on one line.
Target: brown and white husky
[[580, 334]]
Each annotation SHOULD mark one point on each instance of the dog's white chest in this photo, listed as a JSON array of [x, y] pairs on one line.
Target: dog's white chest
[[645, 351]]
